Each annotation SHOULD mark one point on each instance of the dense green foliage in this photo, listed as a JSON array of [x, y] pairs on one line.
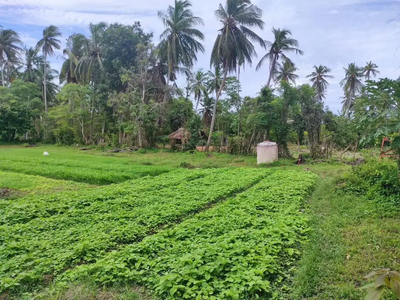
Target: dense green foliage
[[120, 89], [377, 180], [49, 234], [242, 248]]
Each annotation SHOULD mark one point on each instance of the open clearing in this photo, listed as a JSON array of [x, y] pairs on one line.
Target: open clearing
[[142, 227]]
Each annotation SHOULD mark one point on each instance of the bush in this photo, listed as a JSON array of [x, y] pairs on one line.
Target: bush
[[376, 179], [237, 145]]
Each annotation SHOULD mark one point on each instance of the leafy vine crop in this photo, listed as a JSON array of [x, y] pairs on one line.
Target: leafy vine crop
[[47, 235], [243, 248]]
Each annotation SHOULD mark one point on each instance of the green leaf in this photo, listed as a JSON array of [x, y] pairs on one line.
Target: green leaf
[[370, 275], [380, 280], [395, 285], [368, 286], [375, 294]]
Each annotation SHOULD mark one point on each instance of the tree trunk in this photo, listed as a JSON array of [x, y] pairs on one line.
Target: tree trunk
[[103, 129], [343, 152], [283, 151], [91, 137], [168, 75], [140, 143], [44, 83], [315, 150], [251, 141], [83, 130], [143, 92], [2, 75], [271, 71], [197, 104], [215, 110], [91, 126]]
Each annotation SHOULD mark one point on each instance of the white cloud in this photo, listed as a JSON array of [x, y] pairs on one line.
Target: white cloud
[[331, 33]]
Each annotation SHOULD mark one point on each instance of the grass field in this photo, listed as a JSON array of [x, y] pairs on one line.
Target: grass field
[[69, 164], [163, 225]]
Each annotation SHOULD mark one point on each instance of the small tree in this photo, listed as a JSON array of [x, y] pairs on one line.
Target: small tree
[[377, 112], [282, 106], [312, 112]]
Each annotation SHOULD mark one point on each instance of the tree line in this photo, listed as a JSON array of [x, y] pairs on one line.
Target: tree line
[[116, 87]]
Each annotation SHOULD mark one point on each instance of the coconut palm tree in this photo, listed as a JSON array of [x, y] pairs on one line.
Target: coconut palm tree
[[180, 40], [370, 69], [76, 45], [9, 51], [11, 68], [207, 109], [286, 72], [198, 85], [51, 88], [347, 103], [233, 45], [319, 80], [352, 85], [283, 43], [215, 80], [47, 44], [93, 53], [31, 65]]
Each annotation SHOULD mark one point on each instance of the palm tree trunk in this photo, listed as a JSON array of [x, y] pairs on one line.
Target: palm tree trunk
[[215, 109], [2, 75], [271, 71], [168, 74], [44, 84], [197, 104]]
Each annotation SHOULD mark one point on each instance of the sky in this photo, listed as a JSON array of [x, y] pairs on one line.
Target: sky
[[333, 33]]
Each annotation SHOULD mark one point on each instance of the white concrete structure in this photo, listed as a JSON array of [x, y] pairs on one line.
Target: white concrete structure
[[267, 152]]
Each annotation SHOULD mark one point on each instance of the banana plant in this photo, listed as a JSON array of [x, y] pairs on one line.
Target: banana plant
[[384, 279]]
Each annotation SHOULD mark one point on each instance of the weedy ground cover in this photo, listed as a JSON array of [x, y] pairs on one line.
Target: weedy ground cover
[[18, 185], [241, 249], [41, 241], [351, 234]]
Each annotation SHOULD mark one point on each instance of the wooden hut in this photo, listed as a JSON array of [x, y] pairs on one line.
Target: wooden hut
[[179, 137]]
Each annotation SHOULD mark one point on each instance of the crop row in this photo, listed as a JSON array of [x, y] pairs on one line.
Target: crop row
[[25, 209], [243, 248], [84, 233], [83, 173]]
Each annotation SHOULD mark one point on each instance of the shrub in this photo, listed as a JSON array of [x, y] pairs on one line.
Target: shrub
[[376, 179]]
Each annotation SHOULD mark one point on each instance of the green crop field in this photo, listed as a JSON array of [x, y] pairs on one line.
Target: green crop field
[[154, 225], [214, 233], [70, 165]]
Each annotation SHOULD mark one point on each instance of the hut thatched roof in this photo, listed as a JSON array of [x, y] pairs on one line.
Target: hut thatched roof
[[180, 134]]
